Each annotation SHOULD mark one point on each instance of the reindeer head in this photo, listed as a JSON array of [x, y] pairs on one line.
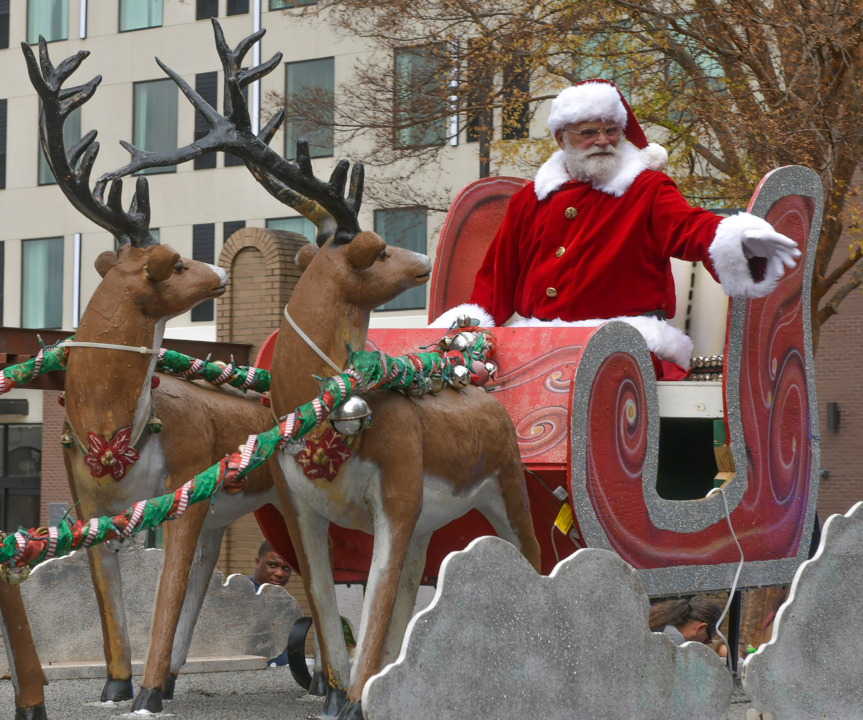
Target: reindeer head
[[364, 273], [157, 280]]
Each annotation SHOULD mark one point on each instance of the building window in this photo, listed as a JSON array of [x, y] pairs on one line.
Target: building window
[[516, 110], [238, 7], [205, 9], [229, 228], [71, 135], [4, 23], [140, 14], [479, 94], [286, 4], [421, 107], [300, 225], [405, 228], [206, 85], [154, 126], [310, 83], [20, 475], [2, 143], [204, 250], [42, 283], [48, 18]]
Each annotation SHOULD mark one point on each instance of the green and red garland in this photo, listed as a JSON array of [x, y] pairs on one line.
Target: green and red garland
[[367, 371]]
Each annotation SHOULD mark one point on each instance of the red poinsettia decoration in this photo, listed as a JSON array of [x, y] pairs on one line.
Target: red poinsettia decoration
[[322, 460], [113, 457]]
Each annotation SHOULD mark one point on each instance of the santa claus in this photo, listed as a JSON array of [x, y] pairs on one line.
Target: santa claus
[[590, 239]]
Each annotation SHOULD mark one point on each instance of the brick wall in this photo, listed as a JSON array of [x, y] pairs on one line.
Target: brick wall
[[55, 484], [262, 275], [838, 372]]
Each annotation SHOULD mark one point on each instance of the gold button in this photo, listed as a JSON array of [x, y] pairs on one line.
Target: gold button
[[560, 251], [551, 292], [570, 213]]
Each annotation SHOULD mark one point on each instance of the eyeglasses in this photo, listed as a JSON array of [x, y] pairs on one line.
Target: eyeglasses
[[612, 132]]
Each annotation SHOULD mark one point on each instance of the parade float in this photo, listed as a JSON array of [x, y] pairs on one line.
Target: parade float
[[386, 440]]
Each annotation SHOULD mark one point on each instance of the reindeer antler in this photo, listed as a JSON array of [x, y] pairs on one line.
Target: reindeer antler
[[293, 184], [72, 169]]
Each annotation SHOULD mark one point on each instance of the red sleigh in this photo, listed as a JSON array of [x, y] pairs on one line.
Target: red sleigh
[[599, 434]]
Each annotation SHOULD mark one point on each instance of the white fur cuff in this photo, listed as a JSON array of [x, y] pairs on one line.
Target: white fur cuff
[[448, 318], [663, 340], [732, 267]]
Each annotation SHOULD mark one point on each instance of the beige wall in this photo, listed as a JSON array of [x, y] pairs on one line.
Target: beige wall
[[188, 196]]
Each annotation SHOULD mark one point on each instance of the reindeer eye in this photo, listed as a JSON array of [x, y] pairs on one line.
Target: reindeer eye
[[179, 267], [383, 254]]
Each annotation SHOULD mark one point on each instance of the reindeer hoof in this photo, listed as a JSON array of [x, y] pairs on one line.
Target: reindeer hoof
[[318, 685], [117, 690], [149, 699], [37, 712], [170, 682], [351, 711], [335, 701]]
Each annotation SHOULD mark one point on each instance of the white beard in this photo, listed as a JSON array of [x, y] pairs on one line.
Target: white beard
[[594, 165]]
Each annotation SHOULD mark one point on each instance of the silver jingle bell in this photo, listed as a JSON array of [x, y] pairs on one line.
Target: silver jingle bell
[[351, 416], [436, 383], [460, 377], [470, 338], [464, 321], [492, 370], [416, 388], [445, 343], [14, 576], [463, 341]]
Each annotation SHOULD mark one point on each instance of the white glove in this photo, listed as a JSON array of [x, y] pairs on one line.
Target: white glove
[[448, 318], [781, 251]]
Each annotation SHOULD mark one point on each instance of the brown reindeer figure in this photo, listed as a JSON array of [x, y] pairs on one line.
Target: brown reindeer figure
[[114, 409], [424, 462], [26, 670]]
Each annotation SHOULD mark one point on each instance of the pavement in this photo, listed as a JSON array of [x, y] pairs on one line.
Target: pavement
[[266, 694]]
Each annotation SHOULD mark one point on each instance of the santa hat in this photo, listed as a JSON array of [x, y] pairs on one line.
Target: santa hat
[[601, 100]]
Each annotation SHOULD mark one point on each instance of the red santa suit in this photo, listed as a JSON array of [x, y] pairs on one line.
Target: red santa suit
[[581, 253]]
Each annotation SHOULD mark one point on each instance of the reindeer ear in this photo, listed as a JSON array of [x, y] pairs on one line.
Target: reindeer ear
[[161, 261], [365, 249], [305, 255], [105, 262]]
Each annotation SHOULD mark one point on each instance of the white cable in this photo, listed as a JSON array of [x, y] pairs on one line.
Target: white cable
[[311, 344], [736, 574], [143, 350]]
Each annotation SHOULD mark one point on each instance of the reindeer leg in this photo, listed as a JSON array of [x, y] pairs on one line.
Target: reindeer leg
[[181, 538], [26, 670], [325, 611], [309, 534], [409, 583], [509, 515], [108, 586], [393, 538], [199, 580]]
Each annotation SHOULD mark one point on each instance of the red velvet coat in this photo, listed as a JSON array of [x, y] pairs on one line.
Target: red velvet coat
[[608, 257]]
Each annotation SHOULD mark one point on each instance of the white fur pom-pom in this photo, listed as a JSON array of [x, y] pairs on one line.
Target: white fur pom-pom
[[655, 156]]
